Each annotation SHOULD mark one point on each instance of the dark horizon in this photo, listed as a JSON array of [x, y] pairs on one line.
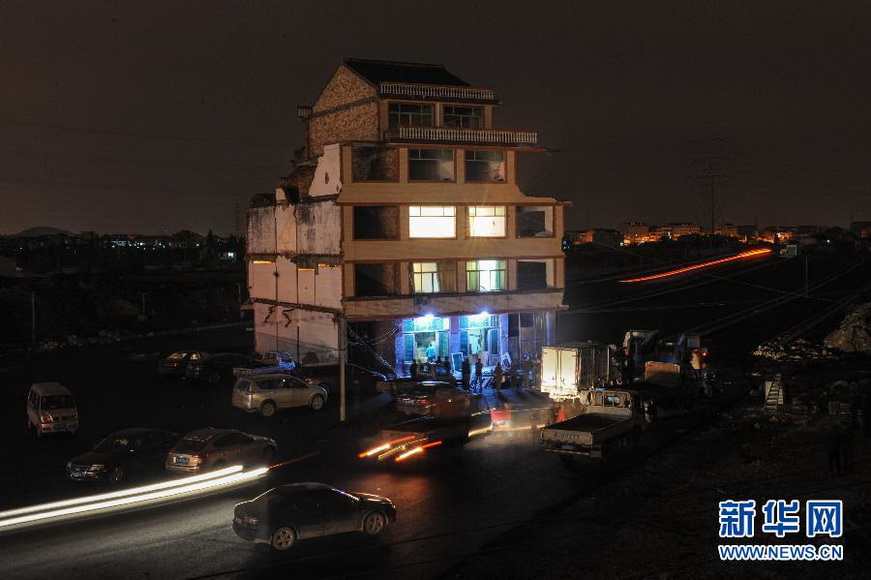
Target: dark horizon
[[153, 120]]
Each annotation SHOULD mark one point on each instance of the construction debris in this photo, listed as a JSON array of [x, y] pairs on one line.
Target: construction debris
[[854, 334]]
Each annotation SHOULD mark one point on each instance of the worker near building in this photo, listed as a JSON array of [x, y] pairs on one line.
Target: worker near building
[[479, 376], [466, 372], [498, 377], [431, 352]]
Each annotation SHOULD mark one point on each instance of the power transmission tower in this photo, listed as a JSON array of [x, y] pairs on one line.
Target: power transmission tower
[[711, 159]]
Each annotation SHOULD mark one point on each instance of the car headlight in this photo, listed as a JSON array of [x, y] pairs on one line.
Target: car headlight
[[46, 418], [97, 467], [69, 465]]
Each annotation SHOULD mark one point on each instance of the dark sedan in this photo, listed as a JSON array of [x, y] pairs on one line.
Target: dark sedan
[[176, 364], [297, 511], [357, 378], [217, 367], [123, 453]]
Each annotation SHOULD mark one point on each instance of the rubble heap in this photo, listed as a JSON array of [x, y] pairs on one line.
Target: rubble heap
[[800, 350], [854, 334]]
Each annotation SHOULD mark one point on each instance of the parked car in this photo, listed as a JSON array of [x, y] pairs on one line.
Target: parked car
[[211, 448], [436, 398], [357, 378], [271, 361], [177, 363], [267, 393], [51, 408], [123, 453], [214, 368], [298, 511]]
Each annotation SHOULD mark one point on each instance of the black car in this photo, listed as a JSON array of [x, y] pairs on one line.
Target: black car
[[357, 378], [216, 367], [123, 453], [176, 364], [297, 511]]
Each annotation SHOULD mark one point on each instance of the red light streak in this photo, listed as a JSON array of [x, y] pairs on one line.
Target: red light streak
[[740, 256]]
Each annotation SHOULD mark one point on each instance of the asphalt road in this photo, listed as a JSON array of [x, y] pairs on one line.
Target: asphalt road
[[450, 505]]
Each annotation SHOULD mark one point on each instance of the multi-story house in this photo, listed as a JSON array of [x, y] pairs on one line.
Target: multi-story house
[[635, 233], [404, 224]]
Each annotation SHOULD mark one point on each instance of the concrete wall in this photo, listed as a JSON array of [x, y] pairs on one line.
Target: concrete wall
[[296, 331], [328, 174]]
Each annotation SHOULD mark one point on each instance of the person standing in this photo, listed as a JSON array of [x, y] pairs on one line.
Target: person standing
[[479, 376], [466, 372], [498, 377], [413, 369]]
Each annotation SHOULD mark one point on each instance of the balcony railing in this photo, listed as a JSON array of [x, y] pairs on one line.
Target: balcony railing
[[465, 136], [437, 92]]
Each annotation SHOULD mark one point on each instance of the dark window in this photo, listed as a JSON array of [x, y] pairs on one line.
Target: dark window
[[485, 166], [376, 222], [410, 115], [534, 221], [431, 164], [372, 163], [531, 275], [375, 279], [468, 117]]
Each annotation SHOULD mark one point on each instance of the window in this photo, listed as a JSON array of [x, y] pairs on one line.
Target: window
[[432, 221], [485, 166], [486, 275], [534, 274], [373, 163], [534, 221], [434, 277], [376, 222], [468, 117], [410, 115], [486, 221], [431, 164], [375, 279]]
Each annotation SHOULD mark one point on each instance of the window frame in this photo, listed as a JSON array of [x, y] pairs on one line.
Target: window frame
[[477, 271], [411, 217], [401, 104], [453, 178], [466, 161], [432, 275], [470, 220], [445, 115]]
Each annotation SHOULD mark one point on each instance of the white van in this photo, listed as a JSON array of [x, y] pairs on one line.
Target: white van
[[51, 408]]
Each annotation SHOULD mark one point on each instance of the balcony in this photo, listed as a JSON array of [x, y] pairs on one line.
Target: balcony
[[450, 304], [443, 93], [455, 135]]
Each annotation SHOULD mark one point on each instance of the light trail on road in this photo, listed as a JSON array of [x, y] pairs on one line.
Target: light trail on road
[[187, 487], [741, 256]]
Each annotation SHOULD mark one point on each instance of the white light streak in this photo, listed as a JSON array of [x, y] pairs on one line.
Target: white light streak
[[185, 487]]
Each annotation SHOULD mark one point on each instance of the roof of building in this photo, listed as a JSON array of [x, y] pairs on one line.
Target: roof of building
[[378, 71]]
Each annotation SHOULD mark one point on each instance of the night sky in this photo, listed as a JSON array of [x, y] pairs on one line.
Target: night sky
[[151, 117]]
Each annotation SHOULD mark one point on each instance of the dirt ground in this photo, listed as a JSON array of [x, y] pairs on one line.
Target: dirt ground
[[660, 519]]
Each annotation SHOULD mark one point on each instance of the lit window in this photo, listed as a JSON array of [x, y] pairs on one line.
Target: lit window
[[487, 221], [431, 164], [434, 277], [410, 115], [468, 117], [432, 221], [486, 275], [485, 166]]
